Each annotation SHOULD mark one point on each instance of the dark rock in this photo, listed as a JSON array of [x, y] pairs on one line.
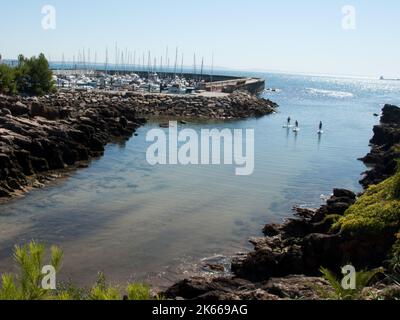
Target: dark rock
[[258, 265], [295, 228], [304, 213], [23, 158], [5, 112], [385, 147], [321, 250], [338, 207], [343, 193], [215, 267], [320, 214], [298, 287], [390, 114], [209, 288], [272, 230], [18, 109], [4, 193]]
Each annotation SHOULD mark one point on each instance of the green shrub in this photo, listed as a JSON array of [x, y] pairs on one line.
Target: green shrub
[[396, 186], [103, 291], [137, 291], [375, 211], [363, 279], [394, 262], [27, 284]]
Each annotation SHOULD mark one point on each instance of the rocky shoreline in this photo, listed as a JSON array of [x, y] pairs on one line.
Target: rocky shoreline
[[286, 262], [41, 136], [238, 105], [385, 147]]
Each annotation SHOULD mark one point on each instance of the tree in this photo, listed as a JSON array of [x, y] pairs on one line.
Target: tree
[[33, 76], [7, 80]]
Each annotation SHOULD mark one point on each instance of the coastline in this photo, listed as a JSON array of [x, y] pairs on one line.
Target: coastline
[[285, 264], [43, 138]]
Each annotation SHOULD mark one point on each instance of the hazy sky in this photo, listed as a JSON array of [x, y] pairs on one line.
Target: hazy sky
[[287, 35]]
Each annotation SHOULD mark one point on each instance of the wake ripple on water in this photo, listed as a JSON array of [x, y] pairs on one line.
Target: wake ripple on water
[[330, 93]]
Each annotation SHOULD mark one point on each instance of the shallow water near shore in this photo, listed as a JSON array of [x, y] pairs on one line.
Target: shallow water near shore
[[138, 222]]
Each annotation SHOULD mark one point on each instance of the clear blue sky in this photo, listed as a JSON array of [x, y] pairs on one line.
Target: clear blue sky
[[287, 35]]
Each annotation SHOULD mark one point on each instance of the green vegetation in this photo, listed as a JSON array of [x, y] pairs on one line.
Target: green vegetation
[[31, 76], [378, 210], [394, 262], [7, 80], [27, 284], [331, 219], [363, 279]]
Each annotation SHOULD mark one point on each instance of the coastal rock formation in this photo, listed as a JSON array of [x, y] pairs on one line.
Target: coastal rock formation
[[285, 263], [208, 289], [40, 135], [298, 246], [385, 147], [239, 104], [315, 239]]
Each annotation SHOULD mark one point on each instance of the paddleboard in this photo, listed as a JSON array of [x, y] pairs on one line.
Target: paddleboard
[[296, 129], [320, 131], [288, 126]]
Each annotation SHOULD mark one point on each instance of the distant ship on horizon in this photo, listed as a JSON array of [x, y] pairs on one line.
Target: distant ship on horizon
[[383, 78]]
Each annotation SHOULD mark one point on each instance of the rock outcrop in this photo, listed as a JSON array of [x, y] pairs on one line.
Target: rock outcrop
[[39, 136], [385, 147], [234, 106], [284, 264], [208, 289]]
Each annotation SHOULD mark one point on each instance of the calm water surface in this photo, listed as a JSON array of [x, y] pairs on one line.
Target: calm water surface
[[134, 221]]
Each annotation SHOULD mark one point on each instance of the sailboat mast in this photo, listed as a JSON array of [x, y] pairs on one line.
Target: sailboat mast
[[106, 66], [176, 61], [212, 70], [182, 65], [202, 68]]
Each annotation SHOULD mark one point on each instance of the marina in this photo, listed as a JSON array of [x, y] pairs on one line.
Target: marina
[[185, 83]]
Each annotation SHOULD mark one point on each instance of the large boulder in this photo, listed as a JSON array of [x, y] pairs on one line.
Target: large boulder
[[18, 109], [390, 114]]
